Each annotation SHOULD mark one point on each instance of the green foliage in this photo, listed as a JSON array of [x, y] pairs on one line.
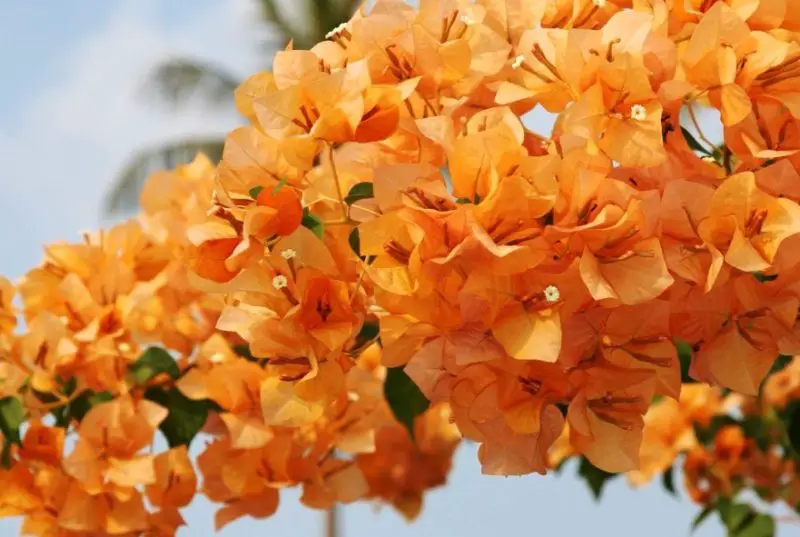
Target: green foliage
[[596, 478], [360, 191], [314, 223], [255, 191], [694, 145], [668, 480], [404, 397], [685, 358], [153, 362], [78, 407], [186, 416], [11, 418]]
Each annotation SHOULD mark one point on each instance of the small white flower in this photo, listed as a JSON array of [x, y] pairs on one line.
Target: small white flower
[[279, 282], [599, 3], [638, 112], [517, 62], [217, 358], [552, 294], [288, 254]]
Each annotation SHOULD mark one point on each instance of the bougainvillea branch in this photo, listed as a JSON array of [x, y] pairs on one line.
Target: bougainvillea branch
[[388, 259]]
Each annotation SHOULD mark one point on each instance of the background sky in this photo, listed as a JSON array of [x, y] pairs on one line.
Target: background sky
[[72, 107]]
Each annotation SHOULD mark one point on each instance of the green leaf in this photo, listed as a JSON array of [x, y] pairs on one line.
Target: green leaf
[[694, 145], [707, 434], [463, 201], [360, 191], [793, 428], [82, 404], [404, 397], [760, 526], [368, 333], [314, 223], [186, 416], [736, 517], [279, 186], [255, 191], [701, 517], [11, 417], [668, 480], [685, 358], [595, 478], [761, 277], [151, 363], [354, 240], [756, 428], [5, 456]]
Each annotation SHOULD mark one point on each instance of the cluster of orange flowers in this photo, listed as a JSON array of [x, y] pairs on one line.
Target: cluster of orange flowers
[[725, 455], [86, 461], [388, 226]]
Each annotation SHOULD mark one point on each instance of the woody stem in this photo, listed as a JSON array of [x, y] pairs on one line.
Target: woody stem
[[338, 184], [696, 124]]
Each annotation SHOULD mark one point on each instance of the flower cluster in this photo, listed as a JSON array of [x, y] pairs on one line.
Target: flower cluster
[[86, 386], [390, 256]]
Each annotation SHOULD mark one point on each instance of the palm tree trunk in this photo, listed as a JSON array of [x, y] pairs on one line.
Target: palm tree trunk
[[332, 522]]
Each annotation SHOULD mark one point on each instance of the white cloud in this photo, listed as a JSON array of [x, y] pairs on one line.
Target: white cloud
[[77, 132]]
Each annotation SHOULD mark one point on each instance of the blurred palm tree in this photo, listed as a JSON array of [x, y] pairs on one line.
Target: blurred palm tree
[[178, 80]]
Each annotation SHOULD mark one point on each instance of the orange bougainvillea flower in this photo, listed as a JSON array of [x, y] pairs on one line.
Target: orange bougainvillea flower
[[747, 224]]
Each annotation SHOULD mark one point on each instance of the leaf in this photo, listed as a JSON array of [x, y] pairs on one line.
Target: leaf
[[185, 419], [668, 480], [760, 526], [404, 397], [736, 517], [360, 191], [761, 277], [5, 456], [82, 404], [694, 145], [314, 223], [595, 477], [685, 358], [11, 417], [701, 517], [153, 362], [280, 185], [793, 428], [368, 333], [255, 191], [354, 240], [755, 427], [707, 434]]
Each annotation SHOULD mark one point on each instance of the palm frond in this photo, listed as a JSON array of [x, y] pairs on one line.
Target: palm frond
[[179, 79], [123, 195]]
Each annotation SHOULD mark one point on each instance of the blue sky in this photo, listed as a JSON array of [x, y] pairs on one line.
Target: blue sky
[[72, 108]]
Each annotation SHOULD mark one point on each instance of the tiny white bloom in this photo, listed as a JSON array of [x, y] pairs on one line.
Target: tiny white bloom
[[288, 254], [279, 282], [517, 62], [638, 112], [217, 358], [552, 294], [599, 3]]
